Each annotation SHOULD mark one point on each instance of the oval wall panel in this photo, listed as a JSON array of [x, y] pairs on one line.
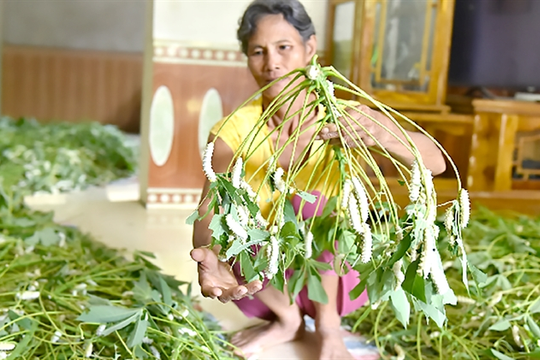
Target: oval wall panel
[[161, 132], [211, 113]]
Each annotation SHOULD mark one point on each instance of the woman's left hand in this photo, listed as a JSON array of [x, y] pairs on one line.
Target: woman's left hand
[[361, 129]]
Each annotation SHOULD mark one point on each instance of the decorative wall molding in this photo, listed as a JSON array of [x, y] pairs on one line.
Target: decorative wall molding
[[180, 52], [175, 52], [172, 198]]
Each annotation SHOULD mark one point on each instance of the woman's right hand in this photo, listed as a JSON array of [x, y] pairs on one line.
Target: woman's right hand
[[217, 279]]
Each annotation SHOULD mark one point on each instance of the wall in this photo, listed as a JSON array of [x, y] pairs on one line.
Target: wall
[[199, 75], [76, 24], [215, 22], [74, 60], [72, 85]]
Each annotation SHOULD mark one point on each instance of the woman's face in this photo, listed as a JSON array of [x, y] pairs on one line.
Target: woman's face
[[275, 49]]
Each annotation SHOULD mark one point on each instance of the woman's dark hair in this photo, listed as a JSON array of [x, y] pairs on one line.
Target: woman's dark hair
[[292, 10]]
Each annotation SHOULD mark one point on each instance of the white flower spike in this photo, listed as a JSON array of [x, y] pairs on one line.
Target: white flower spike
[[100, 330], [236, 228], [345, 193], [244, 185], [416, 182], [6, 346], [155, 352], [236, 176], [28, 295], [308, 244], [207, 163], [273, 257], [449, 220], [279, 184], [363, 203], [354, 215], [367, 244], [330, 88], [398, 273], [312, 72], [465, 207], [243, 215], [88, 351]]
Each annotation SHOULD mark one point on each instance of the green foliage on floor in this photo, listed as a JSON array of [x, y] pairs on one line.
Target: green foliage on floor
[[61, 157], [62, 294], [498, 319]]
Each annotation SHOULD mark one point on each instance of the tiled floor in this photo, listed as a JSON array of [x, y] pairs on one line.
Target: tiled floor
[[127, 224]]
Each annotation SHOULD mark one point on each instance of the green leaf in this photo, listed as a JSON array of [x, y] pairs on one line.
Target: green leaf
[[165, 291], [358, 289], [216, 225], [140, 353], [25, 323], [145, 253], [192, 218], [156, 296], [122, 324], [288, 213], [319, 265], [96, 300], [247, 267], [278, 282], [258, 235], [401, 306], [479, 277], [535, 307], [533, 355], [533, 326], [142, 290], [432, 312], [48, 237], [500, 355], [235, 248], [103, 314], [289, 230], [501, 325], [310, 198], [315, 289], [138, 333], [346, 241], [329, 207], [297, 282], [414, 284], [23, 222], [32, 240], [23, 344], [402, 248]]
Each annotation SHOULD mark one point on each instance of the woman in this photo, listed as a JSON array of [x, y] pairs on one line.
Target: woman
[[278, 36]]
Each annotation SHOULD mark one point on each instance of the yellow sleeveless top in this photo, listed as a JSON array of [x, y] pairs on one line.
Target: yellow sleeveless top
[[318, 173]]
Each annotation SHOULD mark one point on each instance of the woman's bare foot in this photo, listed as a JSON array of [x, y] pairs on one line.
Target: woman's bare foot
[[253, 340], [332, 345]]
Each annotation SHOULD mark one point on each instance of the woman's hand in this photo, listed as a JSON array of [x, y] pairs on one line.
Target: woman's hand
[[388, 136], [362, 129], [217, 279]]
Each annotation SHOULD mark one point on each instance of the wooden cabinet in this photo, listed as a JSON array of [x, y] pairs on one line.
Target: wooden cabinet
[[397, 51], [505, 149]]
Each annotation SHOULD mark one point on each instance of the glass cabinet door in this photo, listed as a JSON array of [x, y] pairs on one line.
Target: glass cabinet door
[[342, 37], [402, 53]]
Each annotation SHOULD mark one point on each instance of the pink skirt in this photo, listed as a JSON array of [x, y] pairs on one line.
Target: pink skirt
[[253, 307]]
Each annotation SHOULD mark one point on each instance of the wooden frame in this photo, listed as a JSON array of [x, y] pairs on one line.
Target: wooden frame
[[362, 51]]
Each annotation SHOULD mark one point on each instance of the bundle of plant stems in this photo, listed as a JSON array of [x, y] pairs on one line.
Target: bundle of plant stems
[[65, 296], [498, 318], [395, 252], [61, 157]]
